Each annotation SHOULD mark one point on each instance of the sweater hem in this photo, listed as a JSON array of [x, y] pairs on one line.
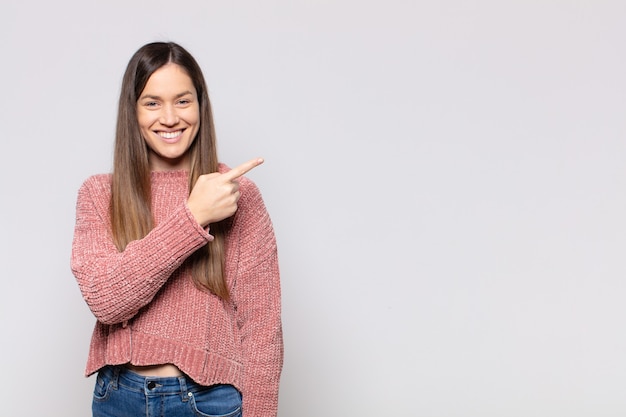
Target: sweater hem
[[204, 367]]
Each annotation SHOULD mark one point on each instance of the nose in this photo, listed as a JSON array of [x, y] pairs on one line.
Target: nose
[[169, 117]]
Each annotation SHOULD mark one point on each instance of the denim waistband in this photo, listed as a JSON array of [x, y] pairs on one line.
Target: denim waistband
[[151, 385]]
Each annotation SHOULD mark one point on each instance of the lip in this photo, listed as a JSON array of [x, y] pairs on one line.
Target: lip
[[170, 136]]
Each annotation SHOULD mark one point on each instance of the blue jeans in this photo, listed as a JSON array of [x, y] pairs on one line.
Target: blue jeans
[[123, 393]]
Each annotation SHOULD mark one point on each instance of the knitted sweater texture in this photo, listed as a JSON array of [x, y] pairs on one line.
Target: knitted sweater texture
[[148, 309]]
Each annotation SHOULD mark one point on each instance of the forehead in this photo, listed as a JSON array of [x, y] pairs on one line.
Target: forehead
[[170, 78]]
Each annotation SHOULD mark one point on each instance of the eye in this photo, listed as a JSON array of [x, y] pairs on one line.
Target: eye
[[184, 101], [150, 104]]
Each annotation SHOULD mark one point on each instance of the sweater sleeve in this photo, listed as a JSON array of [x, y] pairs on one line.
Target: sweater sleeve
[[117, 284], [257, 299]]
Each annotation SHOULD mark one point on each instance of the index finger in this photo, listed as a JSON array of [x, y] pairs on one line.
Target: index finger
[[237, 172]]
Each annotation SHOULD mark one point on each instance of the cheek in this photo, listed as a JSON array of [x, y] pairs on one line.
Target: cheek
[[143, 120], [193, 118]]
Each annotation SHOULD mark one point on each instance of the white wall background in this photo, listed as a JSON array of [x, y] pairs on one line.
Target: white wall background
[[446, 180]]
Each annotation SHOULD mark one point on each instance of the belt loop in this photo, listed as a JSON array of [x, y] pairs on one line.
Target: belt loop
[[184, 394], [116, 376]]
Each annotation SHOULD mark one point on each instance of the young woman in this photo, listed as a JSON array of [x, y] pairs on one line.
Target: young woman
[[176, 257]]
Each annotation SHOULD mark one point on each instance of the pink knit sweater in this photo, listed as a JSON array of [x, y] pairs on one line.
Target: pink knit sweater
[[149, 311]]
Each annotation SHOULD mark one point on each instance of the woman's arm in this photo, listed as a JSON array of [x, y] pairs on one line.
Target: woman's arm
[[257, 298], [116, 284]]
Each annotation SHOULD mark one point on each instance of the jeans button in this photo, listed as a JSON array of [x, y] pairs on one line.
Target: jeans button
[[151, 385]]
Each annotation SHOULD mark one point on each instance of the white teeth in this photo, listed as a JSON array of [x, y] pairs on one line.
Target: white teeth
[[169, 135]]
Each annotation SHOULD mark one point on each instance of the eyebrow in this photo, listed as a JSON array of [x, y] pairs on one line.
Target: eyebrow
[[179, 95]]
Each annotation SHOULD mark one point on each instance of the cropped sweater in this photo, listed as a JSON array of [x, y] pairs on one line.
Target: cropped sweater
[[150, 312]]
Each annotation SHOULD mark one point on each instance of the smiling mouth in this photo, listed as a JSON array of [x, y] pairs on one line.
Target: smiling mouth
[[170, 135]]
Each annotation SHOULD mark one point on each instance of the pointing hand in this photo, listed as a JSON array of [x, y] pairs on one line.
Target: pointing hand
[[214, 197]]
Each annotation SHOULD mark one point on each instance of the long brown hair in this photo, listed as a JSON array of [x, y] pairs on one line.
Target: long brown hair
[[131, 214]]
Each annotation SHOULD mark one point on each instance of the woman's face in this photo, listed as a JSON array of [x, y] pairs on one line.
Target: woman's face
[[168, 113]]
